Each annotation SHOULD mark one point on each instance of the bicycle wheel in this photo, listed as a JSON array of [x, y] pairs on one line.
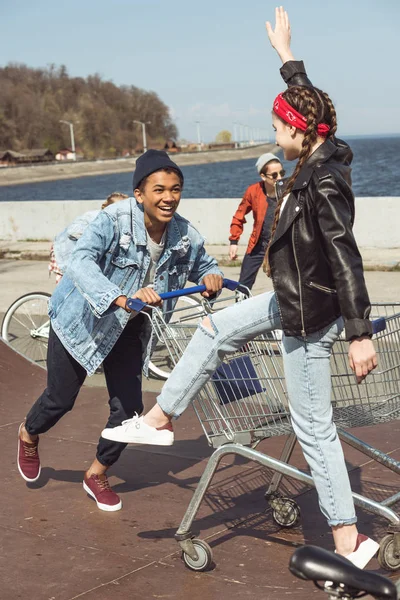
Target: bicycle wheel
[[26, 326], [162, 359]]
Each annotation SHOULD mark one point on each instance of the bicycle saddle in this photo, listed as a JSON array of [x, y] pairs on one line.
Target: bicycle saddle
[[317, 564]]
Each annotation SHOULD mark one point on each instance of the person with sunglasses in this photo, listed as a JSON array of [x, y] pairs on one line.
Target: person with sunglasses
[[259, 198]]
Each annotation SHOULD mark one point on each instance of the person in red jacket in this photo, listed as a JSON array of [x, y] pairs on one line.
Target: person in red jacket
[[259, 198]]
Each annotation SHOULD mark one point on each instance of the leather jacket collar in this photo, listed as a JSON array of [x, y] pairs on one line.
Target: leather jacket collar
[[339, 152]]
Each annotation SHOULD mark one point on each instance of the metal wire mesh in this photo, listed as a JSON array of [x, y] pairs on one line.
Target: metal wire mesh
[[246, 399], [377, 399]]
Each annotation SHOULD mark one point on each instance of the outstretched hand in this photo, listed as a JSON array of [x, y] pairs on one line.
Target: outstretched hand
[[280, 36], [362, 357]]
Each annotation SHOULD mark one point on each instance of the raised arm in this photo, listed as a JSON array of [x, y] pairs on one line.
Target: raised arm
[[292, 71]]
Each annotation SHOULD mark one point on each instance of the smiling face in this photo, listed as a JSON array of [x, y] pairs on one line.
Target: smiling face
[[160, 196], [287, 137], [270, 174]]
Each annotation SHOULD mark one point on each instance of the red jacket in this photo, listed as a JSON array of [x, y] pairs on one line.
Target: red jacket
[[254, 200]]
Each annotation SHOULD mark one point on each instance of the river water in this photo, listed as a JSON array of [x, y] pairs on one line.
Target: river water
[[376, 172]]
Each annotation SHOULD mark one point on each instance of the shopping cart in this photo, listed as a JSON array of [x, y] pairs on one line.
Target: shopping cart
[[245, 402]]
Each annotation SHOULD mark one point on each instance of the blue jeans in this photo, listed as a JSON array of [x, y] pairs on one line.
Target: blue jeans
[[307, 373]]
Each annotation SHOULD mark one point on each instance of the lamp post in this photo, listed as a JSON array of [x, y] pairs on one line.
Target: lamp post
[[198, 135], [241, 133], [246, 134], [71, 130], [235, 134], [143, 124]]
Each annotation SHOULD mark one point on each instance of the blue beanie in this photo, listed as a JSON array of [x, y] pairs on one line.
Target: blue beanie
[[151, 161]]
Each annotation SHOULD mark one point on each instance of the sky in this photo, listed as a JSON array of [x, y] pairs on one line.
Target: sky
[[211, 61]]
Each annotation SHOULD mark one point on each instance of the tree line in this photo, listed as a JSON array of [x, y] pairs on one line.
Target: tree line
[[32, 102]]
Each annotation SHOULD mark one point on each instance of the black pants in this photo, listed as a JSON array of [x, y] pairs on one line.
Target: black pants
[[65, 376], [251, 264]]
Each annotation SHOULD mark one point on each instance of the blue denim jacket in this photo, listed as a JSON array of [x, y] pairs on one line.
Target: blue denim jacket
[[64, 242], [109, 260]]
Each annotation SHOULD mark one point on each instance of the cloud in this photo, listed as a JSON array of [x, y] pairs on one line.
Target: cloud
[[202, 110]]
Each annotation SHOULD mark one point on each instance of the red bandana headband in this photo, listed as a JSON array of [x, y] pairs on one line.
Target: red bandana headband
[[291, 116]]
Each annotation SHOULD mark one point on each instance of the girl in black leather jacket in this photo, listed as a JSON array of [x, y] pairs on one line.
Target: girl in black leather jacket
[[319, 289], [313, 258]]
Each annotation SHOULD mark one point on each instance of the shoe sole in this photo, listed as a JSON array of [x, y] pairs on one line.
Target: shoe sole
[[105, 507], [19, 468], [107, 436]]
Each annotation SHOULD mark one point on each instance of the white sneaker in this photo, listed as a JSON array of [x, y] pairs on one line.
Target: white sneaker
[[365, 550], [135, 431]]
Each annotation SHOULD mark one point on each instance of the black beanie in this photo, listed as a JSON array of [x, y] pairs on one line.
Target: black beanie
[[151, 161]]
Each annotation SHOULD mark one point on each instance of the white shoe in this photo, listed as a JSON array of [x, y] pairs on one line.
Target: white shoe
[[365, 550], [135, 431]]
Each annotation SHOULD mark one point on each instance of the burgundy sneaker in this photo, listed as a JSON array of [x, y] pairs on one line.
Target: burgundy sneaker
[[28, 460], [99, 489]]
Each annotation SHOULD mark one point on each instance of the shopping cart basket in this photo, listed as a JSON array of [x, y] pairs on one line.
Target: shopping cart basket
[[245, 402]]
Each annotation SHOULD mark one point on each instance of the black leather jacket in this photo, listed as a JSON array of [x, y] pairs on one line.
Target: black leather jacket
[[316, 267]]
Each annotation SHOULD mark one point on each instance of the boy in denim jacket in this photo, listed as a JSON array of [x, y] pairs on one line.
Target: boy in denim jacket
[[136, 248]]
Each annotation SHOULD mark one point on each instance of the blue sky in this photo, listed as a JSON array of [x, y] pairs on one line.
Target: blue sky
[[211, 60]]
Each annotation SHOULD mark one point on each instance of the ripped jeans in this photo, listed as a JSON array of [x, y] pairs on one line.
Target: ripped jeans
[[308, 382]]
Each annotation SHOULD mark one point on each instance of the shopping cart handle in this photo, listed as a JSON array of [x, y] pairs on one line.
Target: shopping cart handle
[[137, 305], [378, 325]]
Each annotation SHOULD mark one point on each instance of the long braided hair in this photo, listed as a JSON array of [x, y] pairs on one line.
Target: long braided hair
[[316, 106]]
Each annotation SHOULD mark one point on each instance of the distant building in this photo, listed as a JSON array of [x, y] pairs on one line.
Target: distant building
[[68, 154], [221, 145], [171, 147], [192, 147], [36, 155], [65, 154]]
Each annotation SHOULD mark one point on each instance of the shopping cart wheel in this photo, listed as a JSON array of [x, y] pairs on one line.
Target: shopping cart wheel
[[285, 511], [388, 558], [205, 556]]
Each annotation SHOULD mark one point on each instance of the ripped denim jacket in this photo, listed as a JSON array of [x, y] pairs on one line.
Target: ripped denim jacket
[[109, 260]]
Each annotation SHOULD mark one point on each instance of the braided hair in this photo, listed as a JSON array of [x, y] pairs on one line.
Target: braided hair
[[316, 106]]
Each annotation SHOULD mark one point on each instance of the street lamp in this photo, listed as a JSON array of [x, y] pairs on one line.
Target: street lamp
[[235, 134], [246, 134], [71, 130], [198, 135], [241, 133], [143, 124]]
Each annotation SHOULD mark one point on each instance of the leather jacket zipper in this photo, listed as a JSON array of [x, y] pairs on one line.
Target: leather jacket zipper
[[303, 330], [323, 288]]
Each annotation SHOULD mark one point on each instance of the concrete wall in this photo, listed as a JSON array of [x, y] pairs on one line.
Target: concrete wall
[[377, 219]]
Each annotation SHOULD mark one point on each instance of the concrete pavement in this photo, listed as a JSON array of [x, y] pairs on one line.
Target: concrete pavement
[[373, 258], [58, 546], [19, 275]]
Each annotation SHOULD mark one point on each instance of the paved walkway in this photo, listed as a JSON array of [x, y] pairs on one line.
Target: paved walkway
[[56, 545], [19, 277], [373, 258]]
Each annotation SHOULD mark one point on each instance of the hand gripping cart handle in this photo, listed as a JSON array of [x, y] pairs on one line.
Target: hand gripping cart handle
[[137, 305]]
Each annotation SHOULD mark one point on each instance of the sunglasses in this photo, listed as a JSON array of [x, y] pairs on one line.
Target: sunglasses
[[275, 175]]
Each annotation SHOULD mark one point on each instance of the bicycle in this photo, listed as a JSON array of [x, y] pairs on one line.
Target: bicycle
[[26, 328], [338, 577]]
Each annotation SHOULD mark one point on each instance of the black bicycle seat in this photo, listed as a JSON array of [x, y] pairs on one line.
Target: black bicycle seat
[[317, 564]]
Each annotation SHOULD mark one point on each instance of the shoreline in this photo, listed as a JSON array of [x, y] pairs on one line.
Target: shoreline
[[73, 170]]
